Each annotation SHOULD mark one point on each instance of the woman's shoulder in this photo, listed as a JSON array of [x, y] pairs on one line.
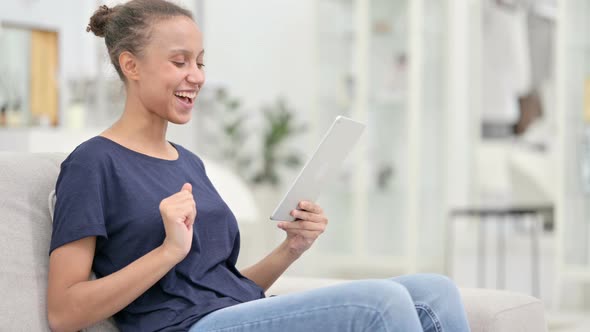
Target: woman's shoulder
[[188, 155], [90, 153]]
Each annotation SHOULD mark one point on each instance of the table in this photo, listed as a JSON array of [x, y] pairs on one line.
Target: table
[[501, 214]]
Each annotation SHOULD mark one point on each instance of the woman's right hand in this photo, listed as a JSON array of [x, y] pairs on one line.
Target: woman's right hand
[[178, 213]]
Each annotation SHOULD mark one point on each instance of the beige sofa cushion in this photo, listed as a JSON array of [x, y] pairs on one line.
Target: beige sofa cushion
[[25, 224], [26, 232]]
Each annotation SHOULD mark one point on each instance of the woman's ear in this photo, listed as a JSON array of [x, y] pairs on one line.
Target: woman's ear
[[129, 65]]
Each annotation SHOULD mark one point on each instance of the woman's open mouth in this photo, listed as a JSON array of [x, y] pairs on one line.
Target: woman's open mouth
[[186, 98]]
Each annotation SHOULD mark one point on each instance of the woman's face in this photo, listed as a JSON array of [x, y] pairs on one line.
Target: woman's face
[[171, 69]]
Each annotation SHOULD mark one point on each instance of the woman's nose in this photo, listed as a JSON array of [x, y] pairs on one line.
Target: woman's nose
[[196, 75]]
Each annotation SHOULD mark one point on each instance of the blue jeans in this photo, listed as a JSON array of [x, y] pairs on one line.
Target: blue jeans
[[421, 302]]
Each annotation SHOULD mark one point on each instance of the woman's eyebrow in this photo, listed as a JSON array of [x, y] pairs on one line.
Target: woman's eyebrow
[[186, 52]]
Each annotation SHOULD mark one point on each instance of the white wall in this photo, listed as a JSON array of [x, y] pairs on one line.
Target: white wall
[[262, 49]]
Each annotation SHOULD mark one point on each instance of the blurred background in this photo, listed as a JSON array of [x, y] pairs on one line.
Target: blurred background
[[476, 158]]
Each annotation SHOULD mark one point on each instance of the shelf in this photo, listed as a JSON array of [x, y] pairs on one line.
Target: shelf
[[366, 73]]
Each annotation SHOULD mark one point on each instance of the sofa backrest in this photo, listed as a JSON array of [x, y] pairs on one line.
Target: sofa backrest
[[26, 181]]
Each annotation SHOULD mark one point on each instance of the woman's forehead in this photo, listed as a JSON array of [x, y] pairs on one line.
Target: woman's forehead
[[178, 34]]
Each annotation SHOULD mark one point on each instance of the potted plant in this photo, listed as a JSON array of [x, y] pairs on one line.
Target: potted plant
[[223, 126], [279, 126]]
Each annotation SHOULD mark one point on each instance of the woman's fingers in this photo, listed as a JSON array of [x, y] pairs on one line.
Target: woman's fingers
[[309, 216], [302, 225], [186, 205], [311, 207]]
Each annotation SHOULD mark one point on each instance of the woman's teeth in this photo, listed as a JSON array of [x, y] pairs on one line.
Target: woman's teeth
[[189, 95]]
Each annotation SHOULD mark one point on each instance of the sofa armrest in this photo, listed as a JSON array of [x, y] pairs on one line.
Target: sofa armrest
[[494, 310]]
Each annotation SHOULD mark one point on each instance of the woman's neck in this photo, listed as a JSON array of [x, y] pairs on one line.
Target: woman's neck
[[142, 131]]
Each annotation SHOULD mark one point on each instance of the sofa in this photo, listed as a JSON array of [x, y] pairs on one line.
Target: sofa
[[26, 181]]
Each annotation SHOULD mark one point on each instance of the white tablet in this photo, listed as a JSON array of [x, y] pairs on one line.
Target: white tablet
[[321, 167]]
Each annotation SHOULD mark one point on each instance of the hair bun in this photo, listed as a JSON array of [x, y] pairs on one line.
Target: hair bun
[[99, 20]]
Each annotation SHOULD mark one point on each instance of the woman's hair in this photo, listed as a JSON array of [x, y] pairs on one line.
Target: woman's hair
[[127, 27]]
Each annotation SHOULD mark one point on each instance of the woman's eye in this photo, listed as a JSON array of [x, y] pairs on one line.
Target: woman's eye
[[200, 65], [178, 64]]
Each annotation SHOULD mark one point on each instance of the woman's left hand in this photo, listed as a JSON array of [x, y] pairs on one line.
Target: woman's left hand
[[302, 233]]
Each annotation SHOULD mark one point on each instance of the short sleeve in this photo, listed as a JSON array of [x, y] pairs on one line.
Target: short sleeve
[[200, 163], [79, 207]]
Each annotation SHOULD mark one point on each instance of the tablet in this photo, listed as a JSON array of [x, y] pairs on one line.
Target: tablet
[[321, 167]]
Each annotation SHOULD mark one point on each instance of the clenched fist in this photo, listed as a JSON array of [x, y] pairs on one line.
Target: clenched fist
[[178, 213]]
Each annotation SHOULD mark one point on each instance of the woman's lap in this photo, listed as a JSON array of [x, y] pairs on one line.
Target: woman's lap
[[397, 304]]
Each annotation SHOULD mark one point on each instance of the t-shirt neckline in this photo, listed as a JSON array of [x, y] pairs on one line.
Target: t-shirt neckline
[[143, 155]]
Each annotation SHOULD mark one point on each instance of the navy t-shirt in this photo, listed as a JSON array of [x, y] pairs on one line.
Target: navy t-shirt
[[113, 193]]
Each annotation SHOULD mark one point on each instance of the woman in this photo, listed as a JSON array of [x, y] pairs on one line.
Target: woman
[[141, 213]]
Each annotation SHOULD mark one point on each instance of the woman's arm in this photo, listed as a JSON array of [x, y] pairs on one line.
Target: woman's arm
[[271, 267], [74, 302], [301, 234]]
